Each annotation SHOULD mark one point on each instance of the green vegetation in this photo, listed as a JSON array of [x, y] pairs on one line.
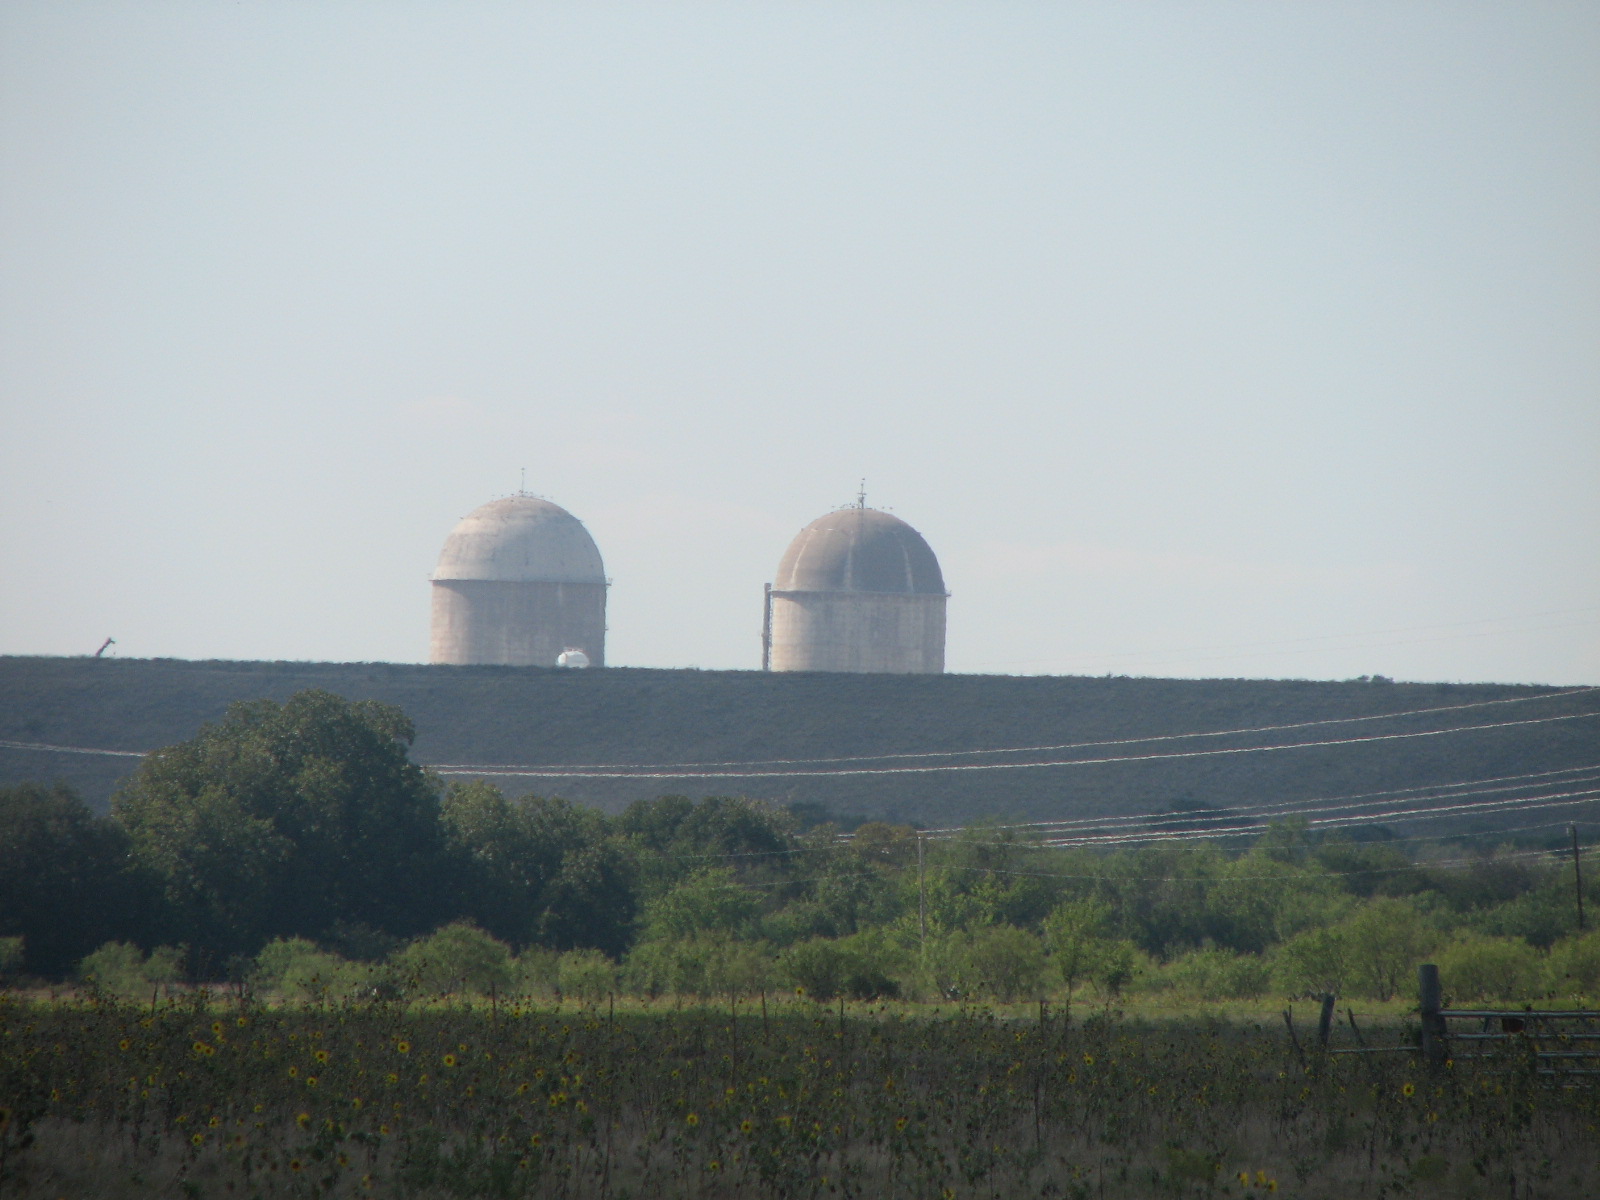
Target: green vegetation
[[295, 850]]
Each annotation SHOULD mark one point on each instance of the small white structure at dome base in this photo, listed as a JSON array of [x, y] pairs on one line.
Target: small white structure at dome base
[[572, 657]]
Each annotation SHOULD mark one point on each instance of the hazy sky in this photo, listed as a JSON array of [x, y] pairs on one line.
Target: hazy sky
[[1197, 339]]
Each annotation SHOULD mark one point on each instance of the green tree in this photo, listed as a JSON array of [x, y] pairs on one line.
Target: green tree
[[1262, 897], [1574, 968], [703, 965], [65, 884], [122, 969], [287, 818], [459, 957], [1540, 915], [537, 972], [1214, 973], [853, 890], [1076, 935], [1387, 939], [1006, 962], [540, 871], [710, 900], [1118, 967], [586, 974], [1474, 967], [1366, 868], [823, 968], [297, 969], [673, 836], [1319, 961], [1160, 894]]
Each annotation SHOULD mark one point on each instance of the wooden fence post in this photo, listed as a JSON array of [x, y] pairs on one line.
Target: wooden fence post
[[1435, 1032], [1288, 1021], [1325, 1021]]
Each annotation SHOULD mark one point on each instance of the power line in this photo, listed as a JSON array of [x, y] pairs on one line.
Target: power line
[[1551, 800], [1249, 822], [660, 770], [1194, 835], [1307, 806], [52, 749], [581, 773], [469, 768], [1288, 879]]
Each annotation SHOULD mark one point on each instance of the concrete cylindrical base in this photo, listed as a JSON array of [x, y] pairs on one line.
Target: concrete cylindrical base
[[516, 624], [858, 631]]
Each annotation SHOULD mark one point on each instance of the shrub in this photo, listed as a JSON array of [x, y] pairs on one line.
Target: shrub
[[1386, 940], [122, 969], [297, 969], [1007, 963], [459, 957], [1216, 974], [1077, 932], [537, 972], [825, 969], [1120, 964], [1574, 967], [1316, 961], [648, 970], [1474, 967], [587, 974]]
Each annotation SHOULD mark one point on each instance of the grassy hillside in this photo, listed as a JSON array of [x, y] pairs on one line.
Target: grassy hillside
[[625, 715]]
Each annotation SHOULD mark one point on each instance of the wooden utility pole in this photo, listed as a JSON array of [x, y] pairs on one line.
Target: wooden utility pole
[[922, 892], [1577, 873]]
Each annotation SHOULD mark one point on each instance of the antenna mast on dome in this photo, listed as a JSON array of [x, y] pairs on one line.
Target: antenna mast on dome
[[861, 496], [523, 489]]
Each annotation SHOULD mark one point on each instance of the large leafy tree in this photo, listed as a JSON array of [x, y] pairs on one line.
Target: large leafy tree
[[539, 871], [65, 886], [284, 820], [674, 836]]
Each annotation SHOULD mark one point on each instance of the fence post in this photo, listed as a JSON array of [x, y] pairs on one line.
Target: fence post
[[1288, 1021], [1434, 1030], [1325, 1021]]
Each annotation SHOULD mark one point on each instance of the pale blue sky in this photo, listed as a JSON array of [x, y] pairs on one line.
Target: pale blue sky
[[1198, 339]]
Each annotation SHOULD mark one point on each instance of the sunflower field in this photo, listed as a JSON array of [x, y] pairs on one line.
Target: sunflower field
[[193, 1097]]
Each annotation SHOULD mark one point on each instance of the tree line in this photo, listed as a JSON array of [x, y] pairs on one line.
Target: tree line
[[295, 846]]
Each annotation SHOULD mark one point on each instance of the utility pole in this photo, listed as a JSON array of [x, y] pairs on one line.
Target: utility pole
[[1577, 873], [766, 630], [922, 892]]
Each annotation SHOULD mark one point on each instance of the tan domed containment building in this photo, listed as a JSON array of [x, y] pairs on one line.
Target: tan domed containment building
[[519, 583], [857, 590]]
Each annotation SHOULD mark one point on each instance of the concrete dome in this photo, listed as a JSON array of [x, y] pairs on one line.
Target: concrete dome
[[860, 550], [521, 539]]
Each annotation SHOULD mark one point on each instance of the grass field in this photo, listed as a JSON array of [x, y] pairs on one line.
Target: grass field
[[196, 1097]]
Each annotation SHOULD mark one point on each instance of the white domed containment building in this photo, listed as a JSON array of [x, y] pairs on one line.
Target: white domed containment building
[[857, 590], [519, 583]]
